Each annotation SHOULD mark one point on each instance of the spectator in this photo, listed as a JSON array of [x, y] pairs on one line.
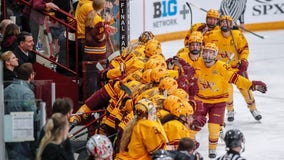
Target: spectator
[[65, 107], [3, 26], [235, 144], [186, 147], [25, 46], [10, 63], [9, 40], [234, 8], [95, 46], [56, 132], [19, 97], [32, 17]]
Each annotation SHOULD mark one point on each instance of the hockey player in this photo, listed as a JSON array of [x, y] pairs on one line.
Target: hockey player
[[143, 135], [214, 78], [177, 123], [235, 144], [234, 51], [191, 53], [212, 18]]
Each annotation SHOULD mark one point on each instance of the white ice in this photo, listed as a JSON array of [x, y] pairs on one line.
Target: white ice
[[266, 63]]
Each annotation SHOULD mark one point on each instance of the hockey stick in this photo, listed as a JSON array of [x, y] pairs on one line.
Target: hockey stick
[[255, 34], [190, 10]]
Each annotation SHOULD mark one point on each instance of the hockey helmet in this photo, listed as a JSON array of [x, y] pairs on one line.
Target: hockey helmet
[[180, 93], [169, 84], [155, 63], [226, 17], [145, 108], [153, 47], [99, 146], [234, 138], [210, 51], [146, 76], [146, 36], [157, 74], [177, 106], [195, 36], [212, 13]]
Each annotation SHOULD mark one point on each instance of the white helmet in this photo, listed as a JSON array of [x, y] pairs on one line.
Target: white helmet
[[100, 146]]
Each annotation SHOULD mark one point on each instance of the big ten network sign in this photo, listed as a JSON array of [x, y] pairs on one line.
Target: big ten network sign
[[167, 13]]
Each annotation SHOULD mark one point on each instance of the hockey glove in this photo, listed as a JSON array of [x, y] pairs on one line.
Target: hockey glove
[[243, 67], [193, 88], [198, 122], [259, 86]]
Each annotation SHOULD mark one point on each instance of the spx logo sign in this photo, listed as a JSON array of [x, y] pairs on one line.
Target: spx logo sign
[[267, 7], [166, 12]]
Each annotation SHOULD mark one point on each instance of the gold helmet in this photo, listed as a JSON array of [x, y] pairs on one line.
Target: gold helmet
[[146, 76], [169, 84], [177, 106], [145, 108], [157, 74], [155, 63], [212, 13], [211, 46], [180, 93], [226, 17], [208, 56], [146, 36], [153, 47], [195, 36]]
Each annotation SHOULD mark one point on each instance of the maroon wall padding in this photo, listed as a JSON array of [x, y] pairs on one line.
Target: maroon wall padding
[[65, 86]]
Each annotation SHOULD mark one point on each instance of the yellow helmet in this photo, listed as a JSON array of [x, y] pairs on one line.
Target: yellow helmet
[[212, 13], [195, 36], [152, 47], [169, 84], [157, 74], [211, 46], [146, 76], [145, 108], [180, 93], [226, 17], [177, 106], [155, 63], [158, 56], [209, 57], [146, 36]]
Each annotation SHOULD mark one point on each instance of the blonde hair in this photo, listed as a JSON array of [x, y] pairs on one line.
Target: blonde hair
[[97, 5], [126, 136], [53, 130], [6, 56]]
